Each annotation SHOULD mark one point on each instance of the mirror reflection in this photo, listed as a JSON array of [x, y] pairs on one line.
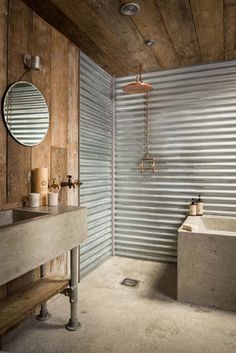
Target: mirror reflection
[[26, 113]]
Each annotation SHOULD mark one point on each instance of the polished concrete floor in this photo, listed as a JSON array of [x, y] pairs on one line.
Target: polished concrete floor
[[119, 319]]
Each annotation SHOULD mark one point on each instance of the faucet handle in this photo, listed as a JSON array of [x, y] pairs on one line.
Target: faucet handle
[[69, 178], [54, 184]]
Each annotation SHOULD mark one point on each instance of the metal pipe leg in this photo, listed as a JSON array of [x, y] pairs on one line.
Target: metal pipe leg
[[73, 324], [44, 314]]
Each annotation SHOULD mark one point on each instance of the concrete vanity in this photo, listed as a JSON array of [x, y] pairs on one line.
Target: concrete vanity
[[29, 238], [207, 261], [38, 236]]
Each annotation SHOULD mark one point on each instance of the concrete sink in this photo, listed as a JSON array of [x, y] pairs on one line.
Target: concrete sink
[[31, 237], [8, 217]]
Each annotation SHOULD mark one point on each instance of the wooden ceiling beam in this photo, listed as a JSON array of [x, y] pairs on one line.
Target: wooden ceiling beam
[[178, 20], [209, 23]]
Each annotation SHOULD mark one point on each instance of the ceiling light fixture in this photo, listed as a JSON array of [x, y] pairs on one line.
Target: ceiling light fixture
[[31, 62], [150, 42], [130, 9]]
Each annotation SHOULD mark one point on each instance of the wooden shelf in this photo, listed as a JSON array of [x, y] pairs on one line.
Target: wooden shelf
[[16, 307]]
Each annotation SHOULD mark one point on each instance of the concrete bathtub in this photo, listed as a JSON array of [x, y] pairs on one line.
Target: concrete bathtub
[[207, 261]]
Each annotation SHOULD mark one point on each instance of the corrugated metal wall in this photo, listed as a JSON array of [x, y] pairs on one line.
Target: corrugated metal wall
[[96, 161], [193, 137]]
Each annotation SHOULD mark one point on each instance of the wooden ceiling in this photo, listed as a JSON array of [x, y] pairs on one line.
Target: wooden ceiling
[[187, 32]]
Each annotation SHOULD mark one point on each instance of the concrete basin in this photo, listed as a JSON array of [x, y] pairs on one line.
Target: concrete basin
[[8, 217], [30, 238], [207, 261]]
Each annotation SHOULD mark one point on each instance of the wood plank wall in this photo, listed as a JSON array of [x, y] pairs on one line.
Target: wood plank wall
[[22, 31]]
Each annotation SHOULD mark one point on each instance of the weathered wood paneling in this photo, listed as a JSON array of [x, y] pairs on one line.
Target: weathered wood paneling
[[18, 156], [59, 169], [209, 23], [3, 76], [150, 24], [23, 31], [41, 41], [73, 113], [124, 28], [230, 28], [59, 87], [179, 23]]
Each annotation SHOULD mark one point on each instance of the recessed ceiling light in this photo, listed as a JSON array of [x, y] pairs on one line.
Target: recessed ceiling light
[[130, 9], [150, 42]]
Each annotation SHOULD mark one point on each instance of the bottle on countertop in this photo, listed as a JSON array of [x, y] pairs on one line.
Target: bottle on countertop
[[193, 208], [199, 206]]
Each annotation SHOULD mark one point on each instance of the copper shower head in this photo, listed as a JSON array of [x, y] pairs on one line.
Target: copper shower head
[[138, 86]]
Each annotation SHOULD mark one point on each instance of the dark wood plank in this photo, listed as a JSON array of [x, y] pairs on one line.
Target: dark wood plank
[[230, 29], [178, 19], [3, 75], [16, 307], [20, 282], [209, 23], [59, 89], [3, 291], [18, 156], [3, 187], [123, 27], [89, 21], [41, 42], [53, 15], [151, 26]]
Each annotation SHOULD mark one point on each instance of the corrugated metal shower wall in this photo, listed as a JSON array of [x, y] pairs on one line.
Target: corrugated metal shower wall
[[96, 161], [193, 137]]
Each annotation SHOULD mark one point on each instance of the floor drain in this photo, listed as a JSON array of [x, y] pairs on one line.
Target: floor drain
[[129, 282]]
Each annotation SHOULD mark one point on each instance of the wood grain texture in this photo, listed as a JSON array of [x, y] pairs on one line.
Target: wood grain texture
[[16, 307], [3, 183], [184, 30], [209, 23], [18, 156], [41, 41], [3, 75], [59, 89], [150, 25], [73, 121], [230, 29], [179, 23], [20, 282], [53, 15], [124, 28], [97, 30], [59, 170]]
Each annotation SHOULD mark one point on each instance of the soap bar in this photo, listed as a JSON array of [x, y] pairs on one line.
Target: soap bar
[[187, 227]]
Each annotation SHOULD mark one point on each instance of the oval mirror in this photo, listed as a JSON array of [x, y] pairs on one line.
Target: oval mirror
[[26, 113]]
